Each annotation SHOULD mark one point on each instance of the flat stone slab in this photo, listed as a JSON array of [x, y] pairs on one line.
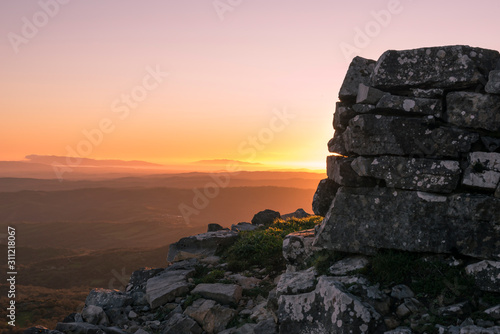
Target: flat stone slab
[[392, 135], [200, 245], [359, 71], [364, 220], [229, 294], [293, 283], [450, 67], [167, 286], [107, 298], [474, 110], [411, 105], [440, 176], [348, 265]]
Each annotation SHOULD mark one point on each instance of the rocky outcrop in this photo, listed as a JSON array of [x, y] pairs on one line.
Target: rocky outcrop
[[410, 238], [200, 245], [418, 155], [266, 217], [417, 221]]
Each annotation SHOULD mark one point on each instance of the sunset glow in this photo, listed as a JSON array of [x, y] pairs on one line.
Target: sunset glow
[[181, 81]]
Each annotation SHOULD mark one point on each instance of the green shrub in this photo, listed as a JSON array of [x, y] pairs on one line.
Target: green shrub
[[324, 259], [263, 248], [212, 277]]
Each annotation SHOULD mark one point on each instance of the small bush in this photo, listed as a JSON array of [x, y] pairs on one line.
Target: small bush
[[324, 259], [264, 247], [190, 300], [212, 277]]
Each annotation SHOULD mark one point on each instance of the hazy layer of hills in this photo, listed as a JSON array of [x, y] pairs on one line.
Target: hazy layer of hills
[[105, 219]]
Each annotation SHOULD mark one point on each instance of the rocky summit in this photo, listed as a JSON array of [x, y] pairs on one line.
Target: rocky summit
[[405, 236]]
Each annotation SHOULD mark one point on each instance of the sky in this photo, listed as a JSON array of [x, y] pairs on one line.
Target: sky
[[185, 80]]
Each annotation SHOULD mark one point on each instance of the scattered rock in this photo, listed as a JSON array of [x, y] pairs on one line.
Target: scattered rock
[[214, 227], [108, 299], [305, 313], [240, 227], [292, 283], [348, 265], [494, 312], [180, 324], [245, 282], [455, 310], [266, 217], [217, 318], [401, 291], [95, 315], [79, 328], [165, 287], [486, 274], [297, 247], [200, 245], [223, 293], [299, 213]]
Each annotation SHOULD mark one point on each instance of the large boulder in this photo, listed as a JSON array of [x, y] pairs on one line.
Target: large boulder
[[297, 248], [391, 135], [293, 283], [181, 324], [359, 72], [327, 309], [229, 294], [169, 284], [95, 315], [200, 245], [299, 213], [265, 217], [474, 110], [450, 67], [324, 195], [440, 176], [364, 220], [108, 299], [211, 316]]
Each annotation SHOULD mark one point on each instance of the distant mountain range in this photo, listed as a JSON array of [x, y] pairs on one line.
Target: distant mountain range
[[74, 168], [71, 161]]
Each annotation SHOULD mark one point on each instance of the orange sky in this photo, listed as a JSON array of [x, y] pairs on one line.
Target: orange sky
[[229, 69]]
